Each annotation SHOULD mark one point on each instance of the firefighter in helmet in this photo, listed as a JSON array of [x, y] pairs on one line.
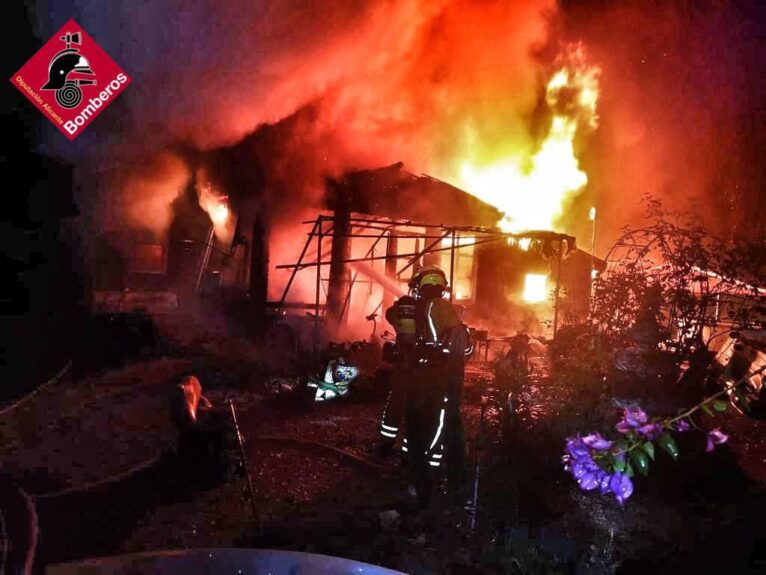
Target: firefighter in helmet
[[441, 337], [400, 355]]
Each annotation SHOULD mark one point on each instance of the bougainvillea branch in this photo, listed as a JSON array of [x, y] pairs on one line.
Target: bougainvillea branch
[[609, 465]]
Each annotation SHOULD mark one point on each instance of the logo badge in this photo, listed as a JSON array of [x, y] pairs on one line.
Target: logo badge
[[71, 80]]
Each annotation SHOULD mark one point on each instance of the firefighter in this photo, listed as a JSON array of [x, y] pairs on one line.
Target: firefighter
[[401, 315], [434, 382]]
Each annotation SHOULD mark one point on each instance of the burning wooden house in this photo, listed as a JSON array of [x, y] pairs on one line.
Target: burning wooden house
[[377, 227]]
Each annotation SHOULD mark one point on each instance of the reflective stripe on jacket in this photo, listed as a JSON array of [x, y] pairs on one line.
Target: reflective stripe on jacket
[[440, 317]]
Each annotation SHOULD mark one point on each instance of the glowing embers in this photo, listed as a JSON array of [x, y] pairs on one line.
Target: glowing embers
[[535, 288]]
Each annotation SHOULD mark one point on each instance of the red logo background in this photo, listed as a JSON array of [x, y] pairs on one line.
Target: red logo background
[[35, 75]]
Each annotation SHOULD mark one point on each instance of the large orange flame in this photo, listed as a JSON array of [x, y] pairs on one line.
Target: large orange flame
[[532, 188], [216, 207]]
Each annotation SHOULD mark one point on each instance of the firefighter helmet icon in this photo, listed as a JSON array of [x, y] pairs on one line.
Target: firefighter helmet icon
[[69, 62]]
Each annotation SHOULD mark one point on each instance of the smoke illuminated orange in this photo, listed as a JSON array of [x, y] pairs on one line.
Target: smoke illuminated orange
[[532, 188]]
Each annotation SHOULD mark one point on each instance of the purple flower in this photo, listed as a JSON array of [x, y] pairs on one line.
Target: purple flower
[[683, 425], [631, 419], [604, 483], [623, 427], [577, 448], [650, 430], [579, 461], [715, 437], [622, 487], [595, 441], [635, 417], [578, 469], [589, 480]]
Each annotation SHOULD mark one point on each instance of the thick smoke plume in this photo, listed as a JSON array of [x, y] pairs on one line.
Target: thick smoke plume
[[145, 193], [427, 83], [435, 83]]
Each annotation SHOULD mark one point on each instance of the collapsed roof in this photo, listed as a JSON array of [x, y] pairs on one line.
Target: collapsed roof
[[395, 193]]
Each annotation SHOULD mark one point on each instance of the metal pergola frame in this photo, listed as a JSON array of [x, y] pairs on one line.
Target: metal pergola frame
[[380, 228]]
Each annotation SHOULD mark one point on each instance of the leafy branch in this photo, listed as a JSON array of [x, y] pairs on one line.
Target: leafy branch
[[610, 464]]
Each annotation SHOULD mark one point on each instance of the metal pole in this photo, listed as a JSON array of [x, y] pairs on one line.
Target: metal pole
[[300, 260], [386, 229], [422, 252], [205, 258], [591, 277], [243, 456], [474, 508], [593, 238], [346, 301], [452, 267], [556, 294], [414, 255], [318, 288]]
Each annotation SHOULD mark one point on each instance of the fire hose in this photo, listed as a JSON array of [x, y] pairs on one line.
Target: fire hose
[[273, 439], [307, 443], [145, 464], [18, 530], [38, 389]]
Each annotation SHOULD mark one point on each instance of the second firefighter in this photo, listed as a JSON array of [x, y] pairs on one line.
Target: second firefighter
[[440, 337]]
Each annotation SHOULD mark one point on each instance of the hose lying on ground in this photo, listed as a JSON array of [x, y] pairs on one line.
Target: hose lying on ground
[[98, 483], [265, 438], [18, 529], [39, 388], [306, 443], [126, 388]]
